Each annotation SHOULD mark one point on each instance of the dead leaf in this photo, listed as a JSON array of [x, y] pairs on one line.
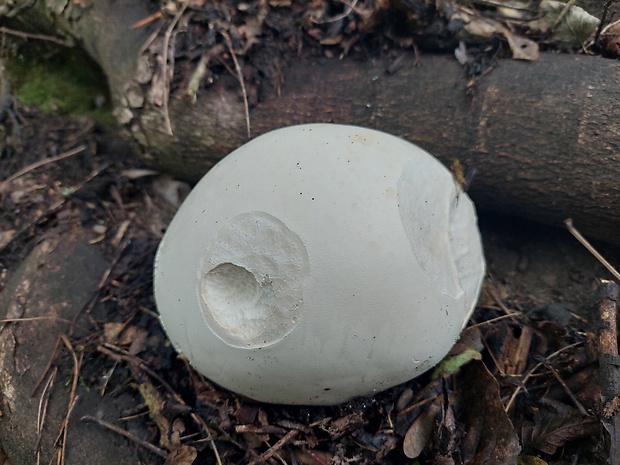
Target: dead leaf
[[574, 28], [461, 54], [171, 190], [6, 237], [178, 428], [490, 438], [182, 455], [111, 332], [345, 424], [155, 403], [610, 38], [521, 47], [135, 338], [313, 457], [135, 173], [552, 430], [421, 430]]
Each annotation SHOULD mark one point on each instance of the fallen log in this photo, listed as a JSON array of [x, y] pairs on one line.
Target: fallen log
[[542, 137]]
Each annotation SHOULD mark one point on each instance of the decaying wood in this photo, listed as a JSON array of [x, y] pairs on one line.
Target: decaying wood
[[542, 137], [610, 366]]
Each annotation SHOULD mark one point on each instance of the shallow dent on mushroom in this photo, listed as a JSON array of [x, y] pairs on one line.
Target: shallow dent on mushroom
[[251, 281], [238, 301], [439, 227], [424, 210], [466, 249]]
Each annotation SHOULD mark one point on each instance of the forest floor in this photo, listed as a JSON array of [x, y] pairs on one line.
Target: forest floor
[[529, 386]]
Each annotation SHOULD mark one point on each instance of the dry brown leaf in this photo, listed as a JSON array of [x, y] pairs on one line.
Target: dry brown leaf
[[171, 190], [345, 424], [313, 457], [490, 438], [521, 47], [182, 455], [421, 430], [112, 331], [575, 27], [6, 237], [552, 430]]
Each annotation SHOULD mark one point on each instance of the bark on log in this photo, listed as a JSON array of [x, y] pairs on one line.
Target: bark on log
[[543, 137]]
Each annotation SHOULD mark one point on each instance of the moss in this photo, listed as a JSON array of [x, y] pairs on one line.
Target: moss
[[59, 79]]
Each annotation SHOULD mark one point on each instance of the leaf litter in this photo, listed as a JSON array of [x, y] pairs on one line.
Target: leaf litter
[[494, 395], [508, 392]]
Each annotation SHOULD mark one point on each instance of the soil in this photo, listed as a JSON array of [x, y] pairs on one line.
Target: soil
[[535, 335]]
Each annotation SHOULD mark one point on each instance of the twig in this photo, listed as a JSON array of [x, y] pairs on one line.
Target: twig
[[120, 355], [493, 294], [55, 206], [246, 105], [493, 357], [27, 35], [333, 19], [41, 163], [38, 318], [144, 21], [275, 448], [77, 363], [102, 283], [570, 394], [607, 312], [167, 77], [156, 450], [569, 225], [147, 43], [200, 71], [47, 368], [560, 17], [603, 19], [534, 369], [494, 320], [609, 365], [42, 411]]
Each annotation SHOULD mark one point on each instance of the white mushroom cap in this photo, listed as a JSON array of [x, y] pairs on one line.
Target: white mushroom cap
[[317, 263]]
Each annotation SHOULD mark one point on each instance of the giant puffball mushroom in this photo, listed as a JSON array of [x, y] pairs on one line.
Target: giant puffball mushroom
[[317, 263]]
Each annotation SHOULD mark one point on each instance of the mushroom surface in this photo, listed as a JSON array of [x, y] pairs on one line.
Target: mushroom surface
[[317, 263]]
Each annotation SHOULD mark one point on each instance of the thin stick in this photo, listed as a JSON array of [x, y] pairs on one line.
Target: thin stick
[[144, 21], [560, 17], [77, 363], [55, 206], [342, 15], [533, 370], [26, 35], [47, 368], [493, 294], [38, 318], [44, 162], [246, 105], [570, 394], [496, 319], [569, 225], [275, 448], [120, 355], [42, 411], [167, 78], [87, 307], [608, 309], [603, 19], [156, 450]]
